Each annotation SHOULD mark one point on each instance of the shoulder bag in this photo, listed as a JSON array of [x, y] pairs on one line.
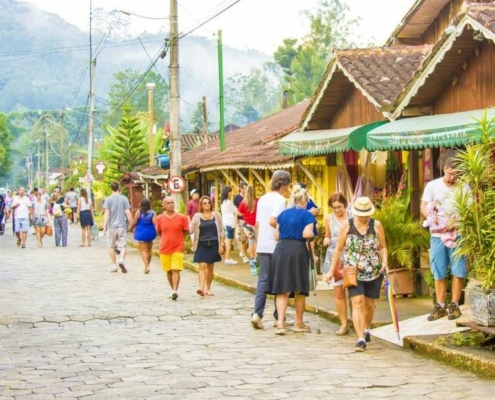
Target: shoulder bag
[[350, 272]]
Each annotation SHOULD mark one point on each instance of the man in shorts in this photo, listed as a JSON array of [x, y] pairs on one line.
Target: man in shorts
[[22, 209], [114, 225], [171, 226], [441, 190]]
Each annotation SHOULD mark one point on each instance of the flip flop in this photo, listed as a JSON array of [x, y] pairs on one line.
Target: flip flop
[[209, 294], [200, 292]]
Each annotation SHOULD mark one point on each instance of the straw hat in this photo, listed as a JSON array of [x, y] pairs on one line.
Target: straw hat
[[362, 207]]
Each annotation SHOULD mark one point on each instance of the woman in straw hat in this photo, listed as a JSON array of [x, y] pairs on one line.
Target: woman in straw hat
[[362, 242]]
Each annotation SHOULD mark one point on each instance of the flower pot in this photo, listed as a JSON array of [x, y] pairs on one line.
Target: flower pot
[[483, 306], [401, 281]]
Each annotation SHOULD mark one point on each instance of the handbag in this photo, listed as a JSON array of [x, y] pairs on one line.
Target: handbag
[[350, 272], [49, 230], [339, 272], [350, 276]]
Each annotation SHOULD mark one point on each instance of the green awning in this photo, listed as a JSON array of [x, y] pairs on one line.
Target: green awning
[[326, 141], [443, 130]]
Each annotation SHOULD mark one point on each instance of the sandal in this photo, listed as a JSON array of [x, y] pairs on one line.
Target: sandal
[[301, 328], [344, 330], [207, 293], [280, 330], [200, 292]]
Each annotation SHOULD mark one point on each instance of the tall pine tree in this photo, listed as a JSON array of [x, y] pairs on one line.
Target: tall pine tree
[[126, 147]]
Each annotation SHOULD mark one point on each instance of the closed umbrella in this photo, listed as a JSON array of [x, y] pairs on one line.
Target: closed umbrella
[[391, 305]]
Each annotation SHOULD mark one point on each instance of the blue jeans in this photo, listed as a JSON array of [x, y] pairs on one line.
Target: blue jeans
[[264, 260]]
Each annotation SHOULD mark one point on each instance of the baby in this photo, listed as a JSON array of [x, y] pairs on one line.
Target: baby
[[438, 220]]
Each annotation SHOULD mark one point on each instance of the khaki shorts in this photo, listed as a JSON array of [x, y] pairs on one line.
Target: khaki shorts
[[174, 261], [117, 237]]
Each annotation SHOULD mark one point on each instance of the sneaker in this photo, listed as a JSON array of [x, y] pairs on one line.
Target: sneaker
[[174, 296], [454, 311], [245, 259], [114, 268], [122, 267], [256, 321], [360, 346], [367, 337], [438, 312], [230, 261]]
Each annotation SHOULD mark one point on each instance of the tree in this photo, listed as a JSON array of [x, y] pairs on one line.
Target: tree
[[5, 147], [249, 97], [303, 64], [130, 88], [125, 148]]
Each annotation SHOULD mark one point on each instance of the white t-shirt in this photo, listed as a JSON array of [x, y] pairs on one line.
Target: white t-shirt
[[228, 210], [24, 204], [269, 205], [437, 190]]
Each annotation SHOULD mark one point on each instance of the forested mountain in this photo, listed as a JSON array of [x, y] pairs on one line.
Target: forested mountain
[[44, 61]]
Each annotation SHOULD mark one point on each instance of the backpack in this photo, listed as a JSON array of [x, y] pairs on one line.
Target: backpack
[[57, 210]]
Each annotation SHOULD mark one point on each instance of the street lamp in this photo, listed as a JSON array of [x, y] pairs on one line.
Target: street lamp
[[151, 86]]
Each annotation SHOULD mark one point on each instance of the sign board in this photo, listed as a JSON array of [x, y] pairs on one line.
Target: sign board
[[176, 184], [89, 178]]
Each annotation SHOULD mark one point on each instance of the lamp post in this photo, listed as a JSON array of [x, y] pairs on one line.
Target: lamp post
[[151, 86]]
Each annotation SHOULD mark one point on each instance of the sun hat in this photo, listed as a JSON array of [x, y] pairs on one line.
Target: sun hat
[[362, 207], [193, 191]]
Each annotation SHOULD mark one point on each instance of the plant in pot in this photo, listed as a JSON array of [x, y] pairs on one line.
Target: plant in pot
[[405, 236], [476, 225]]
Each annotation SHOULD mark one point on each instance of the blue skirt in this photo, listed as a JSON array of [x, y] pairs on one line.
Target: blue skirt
[[207, 252], [85, 218]]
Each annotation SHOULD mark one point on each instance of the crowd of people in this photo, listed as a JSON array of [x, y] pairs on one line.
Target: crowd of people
[[275, 236]]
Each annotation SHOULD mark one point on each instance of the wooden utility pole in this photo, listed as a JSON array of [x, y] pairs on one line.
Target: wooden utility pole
[[220, 89], [89, 168], [174, 101]]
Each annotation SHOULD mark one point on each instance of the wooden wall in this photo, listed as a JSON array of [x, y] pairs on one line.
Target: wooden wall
[[475, 87], [356, 109]]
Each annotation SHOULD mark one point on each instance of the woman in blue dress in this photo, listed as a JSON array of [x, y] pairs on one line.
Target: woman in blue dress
[[145, 232], [289, 270]]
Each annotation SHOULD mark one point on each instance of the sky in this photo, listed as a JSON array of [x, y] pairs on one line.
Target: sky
[[255, 24]]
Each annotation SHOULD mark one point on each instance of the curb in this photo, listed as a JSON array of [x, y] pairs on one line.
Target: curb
[[455, 358]]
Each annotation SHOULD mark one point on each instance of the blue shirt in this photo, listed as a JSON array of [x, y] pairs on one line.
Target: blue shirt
[[292, 222]]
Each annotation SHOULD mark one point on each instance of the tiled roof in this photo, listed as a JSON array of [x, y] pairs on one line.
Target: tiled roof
[[382, 73], [252, 145], [191, 140], [484, 14]]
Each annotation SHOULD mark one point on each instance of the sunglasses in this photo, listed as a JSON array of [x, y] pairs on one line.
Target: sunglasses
[[206, 203]]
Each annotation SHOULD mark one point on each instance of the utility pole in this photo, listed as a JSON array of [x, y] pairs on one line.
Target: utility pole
[[150, 86], [62, 158], [47, 157], [205, 120], [38, 172], [89, 169], [175, 140], [220, 82]]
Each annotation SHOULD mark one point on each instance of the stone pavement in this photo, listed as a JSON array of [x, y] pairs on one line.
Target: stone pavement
[[71, 329]]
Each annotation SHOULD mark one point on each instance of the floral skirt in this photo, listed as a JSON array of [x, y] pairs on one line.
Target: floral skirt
[[40, 220]]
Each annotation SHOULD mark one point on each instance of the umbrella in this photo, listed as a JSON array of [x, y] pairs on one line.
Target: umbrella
[[391, 305]]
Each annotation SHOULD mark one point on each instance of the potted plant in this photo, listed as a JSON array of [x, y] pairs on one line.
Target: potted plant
[[405, 236], [476, 225]]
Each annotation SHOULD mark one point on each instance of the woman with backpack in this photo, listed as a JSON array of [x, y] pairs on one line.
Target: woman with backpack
[[59, 220]]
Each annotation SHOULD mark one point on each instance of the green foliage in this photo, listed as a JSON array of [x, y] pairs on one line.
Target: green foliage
[[476, 209], [128, 81], [125, 148], [5, 147], [251, 96], [303, 64]]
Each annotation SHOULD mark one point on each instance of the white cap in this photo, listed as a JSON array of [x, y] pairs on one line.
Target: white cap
[[193, 191]]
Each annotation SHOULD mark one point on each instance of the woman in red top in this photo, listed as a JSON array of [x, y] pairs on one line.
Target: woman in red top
[[247, 209]]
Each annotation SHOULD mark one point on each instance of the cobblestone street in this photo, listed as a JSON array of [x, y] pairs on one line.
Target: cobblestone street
[[71, 329]]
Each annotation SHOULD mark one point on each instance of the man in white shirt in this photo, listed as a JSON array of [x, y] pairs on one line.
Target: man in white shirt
[[268, 209], [22, 210]]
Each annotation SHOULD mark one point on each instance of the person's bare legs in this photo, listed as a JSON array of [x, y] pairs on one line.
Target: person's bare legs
[[202, 279], [340, 305], [144, 249], [38, 235], [369, 312], [113, 256], [23, 238], [281, 301], [173, 277], [299, 304], [228, 248], [209, 279], [358, 315], [440, 290], [457, 285], [87, 230]]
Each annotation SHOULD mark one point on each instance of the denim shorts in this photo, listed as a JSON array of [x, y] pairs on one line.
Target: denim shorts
[[229, 232], [370, 289], [442, 256]]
